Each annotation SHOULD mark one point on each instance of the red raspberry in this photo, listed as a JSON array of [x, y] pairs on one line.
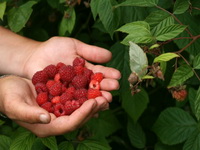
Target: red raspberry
[[70, 90], [59, 110], [71, 106], [80, 93], [94, 85], [55, 100], [40, 77], [79, 62], [87, 72], [67, 73], [66, 97], [48, 107], [79, 70], [179, 95], [57, 77], [56, 89], [50, 83], [80, 81], [40, 87], [60, 65], [42, 98], [93, 93], [51, 71], [97, 76], [82, 100]]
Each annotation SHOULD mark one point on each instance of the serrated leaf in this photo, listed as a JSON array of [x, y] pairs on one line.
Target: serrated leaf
[[138, 60], [23, 141], [136, 104], [50, 142], [67, 23], [181, 6], [66, 146], [2, 9], [196, 62], [93, 145], [181, 74], [5, 142], [193, 142], [191, 96], [169, 32], [174, 126], [136, 135], [197, 104], [94, 7], [17, 17], [141, 3], [165, 57], [161, 146]]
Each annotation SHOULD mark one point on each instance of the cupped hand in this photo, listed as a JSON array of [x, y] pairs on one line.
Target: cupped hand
[[18, 103]]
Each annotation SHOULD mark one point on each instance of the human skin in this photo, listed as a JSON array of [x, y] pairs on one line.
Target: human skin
[[21, 57]]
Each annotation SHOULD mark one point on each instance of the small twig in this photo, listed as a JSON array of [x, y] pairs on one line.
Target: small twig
[[196, 8], [179, 38]]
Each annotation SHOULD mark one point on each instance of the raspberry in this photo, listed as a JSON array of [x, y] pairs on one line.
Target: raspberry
[[59, 110], [56, 89], [60, 65], [82, 100], [40, 87], [93, 93], [48, 107], [50, 83], [87, 72], [40, 77], [94, 84], [71, 106], [67, 73], [51, 71], [42, 98], [57, 77], [78, 62], [66, 97], [179, 95], [80, 93], [70, 90], [55, 100], [97, 76], [80, 81], [79, 70]]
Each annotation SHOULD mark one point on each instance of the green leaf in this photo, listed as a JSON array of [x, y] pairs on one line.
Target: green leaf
[[92, 145], [161, 146], [66, 146], [38, 145], [197, 104], [169, 32], [2, 9], [136, 135], [174, 126], [193, 142], [192, 99], [50, 142], [5, 142], [181, 74], [165, 57], [23, 141], [141, 3], [136, 104], [94, 7], [67, 22], [196, 62], [138, 60], [17, 17], [181, 6]]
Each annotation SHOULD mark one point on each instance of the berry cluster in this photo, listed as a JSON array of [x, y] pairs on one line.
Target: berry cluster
[[61, 89]]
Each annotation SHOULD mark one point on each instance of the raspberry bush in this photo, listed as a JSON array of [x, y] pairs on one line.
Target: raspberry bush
[[155, 45]]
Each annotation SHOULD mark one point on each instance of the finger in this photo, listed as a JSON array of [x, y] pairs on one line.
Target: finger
[[107, 96], [109, 84], [92, 53]]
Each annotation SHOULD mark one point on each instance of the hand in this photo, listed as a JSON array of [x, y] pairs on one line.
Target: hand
[[17, 101]]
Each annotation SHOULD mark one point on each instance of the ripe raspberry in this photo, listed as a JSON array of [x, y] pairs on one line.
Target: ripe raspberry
[[79, 70], [40, 87], [80, 93], [70, 90], [48, 107], [51, 71], [71, 106], [88, 73], [78, 62], [67, 73], [66, 97], [94, 85], [56, 89], [50, 83], [42, 98], [59, 110], [40, 77], [179, 95], [97, 76], [60, 65], [55, 100], [57, 77], [82, 100], [93, 93], [80, 81]]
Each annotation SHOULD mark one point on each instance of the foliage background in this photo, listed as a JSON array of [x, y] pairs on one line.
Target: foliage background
[[164, 34]]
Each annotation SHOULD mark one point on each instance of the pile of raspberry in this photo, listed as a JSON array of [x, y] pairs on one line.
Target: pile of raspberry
[[61, 89]]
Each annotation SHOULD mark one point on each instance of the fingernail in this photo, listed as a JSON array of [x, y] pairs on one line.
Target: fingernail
[[44, 118]]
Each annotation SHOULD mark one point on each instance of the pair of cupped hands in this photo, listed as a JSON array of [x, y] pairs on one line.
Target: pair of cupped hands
[[18, 93]]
